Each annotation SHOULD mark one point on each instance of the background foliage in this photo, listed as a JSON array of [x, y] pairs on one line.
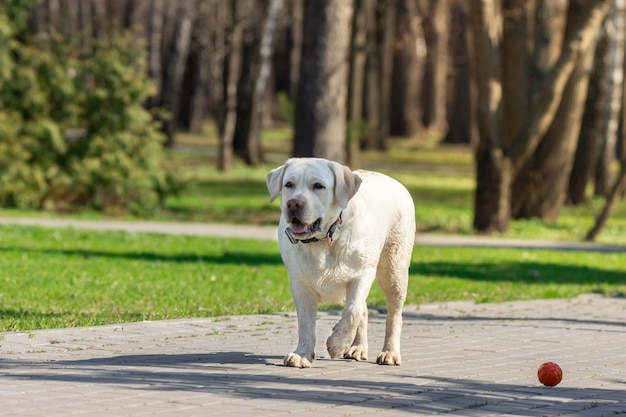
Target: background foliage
[[73, 129]]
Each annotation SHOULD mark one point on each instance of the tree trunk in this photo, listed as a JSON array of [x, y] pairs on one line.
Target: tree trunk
[[99, 18], [218, 21], [193, 93], [235, 42], [459, 102], [436, 28], [85, 26], [590, 140], [485, 24], [515, 68], [249, 136], [617, 53], [173, 72], [609, 119], [549, 23], [550, 91], [409, 55], [36, 20], [372, 95], [320, 125], [540, 189], [379, 72], [155, 39], [253, 13], [388, 20], [358, 56], [297, 10], [618, 189], [492, 198], [493, 169]]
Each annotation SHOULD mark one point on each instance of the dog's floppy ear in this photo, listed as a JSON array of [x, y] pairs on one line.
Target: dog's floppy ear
[[274, 180], [347, 183]]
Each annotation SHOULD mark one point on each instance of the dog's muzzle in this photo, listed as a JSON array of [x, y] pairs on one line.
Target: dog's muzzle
[[313, 228]]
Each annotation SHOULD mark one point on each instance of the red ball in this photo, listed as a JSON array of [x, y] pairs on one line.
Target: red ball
[[550, 374]]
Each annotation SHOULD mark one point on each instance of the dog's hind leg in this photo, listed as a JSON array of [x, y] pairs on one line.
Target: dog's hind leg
[[393, 277]]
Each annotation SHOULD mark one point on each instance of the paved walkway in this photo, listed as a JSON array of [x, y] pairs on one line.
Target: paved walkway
[[270, 233], [459, 359]]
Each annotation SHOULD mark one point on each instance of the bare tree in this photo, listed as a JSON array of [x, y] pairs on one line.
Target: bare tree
[[616, 49], [500, 161], [540, 188]]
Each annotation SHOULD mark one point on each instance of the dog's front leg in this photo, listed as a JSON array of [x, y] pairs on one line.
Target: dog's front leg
[[306, 308]]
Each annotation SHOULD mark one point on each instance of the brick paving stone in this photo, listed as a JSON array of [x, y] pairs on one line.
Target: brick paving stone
[[460, 359]]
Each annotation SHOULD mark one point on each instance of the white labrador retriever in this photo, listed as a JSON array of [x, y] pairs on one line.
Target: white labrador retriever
[[339, 230]]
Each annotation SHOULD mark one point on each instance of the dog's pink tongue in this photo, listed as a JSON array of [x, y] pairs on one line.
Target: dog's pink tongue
[[298, 228]]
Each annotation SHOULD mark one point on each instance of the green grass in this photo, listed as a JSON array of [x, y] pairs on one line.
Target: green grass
[[440, 178], [58, 278], [53, 278], [63, 277]]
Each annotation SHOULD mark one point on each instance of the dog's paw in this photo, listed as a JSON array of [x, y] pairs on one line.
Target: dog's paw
[[358, 353], [337, 346], [388, 358], [294, 360], [339, 342], [336, 351]]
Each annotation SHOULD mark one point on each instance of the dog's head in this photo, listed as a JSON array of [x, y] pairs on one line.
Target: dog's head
[[313, 193]]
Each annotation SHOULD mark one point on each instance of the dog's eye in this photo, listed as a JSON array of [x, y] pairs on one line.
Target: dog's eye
[[318, 186], [289, 184]]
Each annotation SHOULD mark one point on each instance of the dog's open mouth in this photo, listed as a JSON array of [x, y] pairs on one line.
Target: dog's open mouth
[[299, 228]]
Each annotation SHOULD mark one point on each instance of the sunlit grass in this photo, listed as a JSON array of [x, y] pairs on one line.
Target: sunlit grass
[[440, 178], [57, 278], [64, 277]]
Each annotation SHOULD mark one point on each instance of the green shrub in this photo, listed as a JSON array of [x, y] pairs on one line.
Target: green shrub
[[73, 129]]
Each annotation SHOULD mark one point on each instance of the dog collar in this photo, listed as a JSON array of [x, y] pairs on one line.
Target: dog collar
[[329, 235]]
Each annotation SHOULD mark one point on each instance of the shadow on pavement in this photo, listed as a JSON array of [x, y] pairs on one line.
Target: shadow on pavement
[[260, 377]]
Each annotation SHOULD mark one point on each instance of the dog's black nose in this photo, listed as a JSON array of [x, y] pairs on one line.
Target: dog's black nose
[[294, 203]]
